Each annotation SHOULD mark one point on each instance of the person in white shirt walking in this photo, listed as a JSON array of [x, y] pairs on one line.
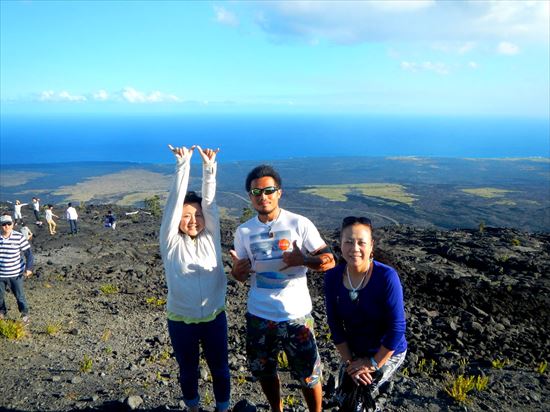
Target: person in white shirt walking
[[190, 244], [72, 218]]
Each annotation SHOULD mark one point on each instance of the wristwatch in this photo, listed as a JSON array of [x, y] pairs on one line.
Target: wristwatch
[[374, 363]]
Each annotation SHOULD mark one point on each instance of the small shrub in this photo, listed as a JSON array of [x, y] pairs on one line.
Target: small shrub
[[12, 329], [53, 329], [152, 204], [282, 360], [86, 364], [290, 401], [106, 335], [425, 366], [481, 383], [481, 226], [108, 289], [459, 388], [515, 242], [500, 363], [542, 367], [156, 301], [208, 399], [241, 380]]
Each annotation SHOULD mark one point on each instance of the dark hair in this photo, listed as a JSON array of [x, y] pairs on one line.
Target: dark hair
[[50, 206], [70, 204], [192, 197], [263, 171], [352, 220]]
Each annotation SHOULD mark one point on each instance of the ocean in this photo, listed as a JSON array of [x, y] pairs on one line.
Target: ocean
[[144, 138]]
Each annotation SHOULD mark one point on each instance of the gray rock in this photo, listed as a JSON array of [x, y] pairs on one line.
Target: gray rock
[[134, 402]]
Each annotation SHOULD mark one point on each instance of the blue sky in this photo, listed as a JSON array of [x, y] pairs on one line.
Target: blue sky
[[376, 57]]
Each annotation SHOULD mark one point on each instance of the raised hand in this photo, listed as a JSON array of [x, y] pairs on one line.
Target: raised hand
[[241, 267], [208, 155], [182, 152]]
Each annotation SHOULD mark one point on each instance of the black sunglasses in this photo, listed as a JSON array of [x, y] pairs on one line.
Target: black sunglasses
[[269, 190], [6, 223], [351, 220]]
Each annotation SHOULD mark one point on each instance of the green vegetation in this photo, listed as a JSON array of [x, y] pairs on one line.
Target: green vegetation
[[385, 191], [290, 401], [542, 367], [155, 301], [53, 328], [282, 360], [241, 379], [425, 366], [108, 289], [487, 192], [86, 364], [482, 227], [500, 363], [247, 214], [458, 387], [106, 335], [12, 329], [515, 242], [152, 204]]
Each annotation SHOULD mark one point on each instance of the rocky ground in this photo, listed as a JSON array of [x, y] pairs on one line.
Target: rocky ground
[[477, 305]]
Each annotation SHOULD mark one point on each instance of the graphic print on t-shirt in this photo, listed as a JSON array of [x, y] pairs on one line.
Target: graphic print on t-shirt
[[267, 249]]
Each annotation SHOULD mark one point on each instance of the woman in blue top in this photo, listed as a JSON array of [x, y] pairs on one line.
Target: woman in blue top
[[365, 312]]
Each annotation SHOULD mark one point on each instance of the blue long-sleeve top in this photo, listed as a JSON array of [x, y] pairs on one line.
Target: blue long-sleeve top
[[375, 318]]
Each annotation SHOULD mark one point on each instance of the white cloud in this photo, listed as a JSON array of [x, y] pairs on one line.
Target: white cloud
[[101, 95], [132, 95], [225, 17], [473, 65], [507, 48], [465, 22], [63, 96], [437, 67]]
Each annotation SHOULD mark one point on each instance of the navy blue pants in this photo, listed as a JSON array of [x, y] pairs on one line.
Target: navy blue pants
[[16, 286], [212, 336], [73, 226]]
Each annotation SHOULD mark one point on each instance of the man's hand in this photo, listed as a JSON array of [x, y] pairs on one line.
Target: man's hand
[[294, 258], [28, 273], [208, 155], [241, 267], [182, 153]]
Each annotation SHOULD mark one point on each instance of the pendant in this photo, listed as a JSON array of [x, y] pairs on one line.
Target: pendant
[[353, 295]]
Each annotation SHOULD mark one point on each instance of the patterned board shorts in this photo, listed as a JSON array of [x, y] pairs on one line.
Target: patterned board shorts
[[265, 339]]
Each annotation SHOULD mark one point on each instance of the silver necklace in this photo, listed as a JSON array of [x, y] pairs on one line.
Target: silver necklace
[[353, 293]]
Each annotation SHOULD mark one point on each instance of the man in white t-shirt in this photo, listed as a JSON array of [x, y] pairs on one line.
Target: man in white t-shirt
[[275, 248]]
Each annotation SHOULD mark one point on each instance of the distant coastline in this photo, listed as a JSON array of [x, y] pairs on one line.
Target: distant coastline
[[420, 191]]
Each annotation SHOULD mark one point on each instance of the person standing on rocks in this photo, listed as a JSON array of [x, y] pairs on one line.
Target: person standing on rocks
[[49, 219], [16, 263], [365, 312], [190, 244], [17, 214], [72, 218], [36, 210], [25, 231], [275, 248], [110, 220]]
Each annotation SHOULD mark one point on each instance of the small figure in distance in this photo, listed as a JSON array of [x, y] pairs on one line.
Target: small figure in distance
[[110, 220], [72, 218], [276, 248], [36, 210], [365, 313], [24, 229], [17, 214], [49, 218], [16, 264], [190, 245]]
